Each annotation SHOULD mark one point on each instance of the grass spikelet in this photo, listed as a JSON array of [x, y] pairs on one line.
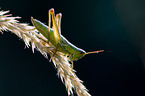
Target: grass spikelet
[[32, 38]]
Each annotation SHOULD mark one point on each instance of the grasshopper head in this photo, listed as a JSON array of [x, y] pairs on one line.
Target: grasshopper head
[[81, 53], [78, 55]]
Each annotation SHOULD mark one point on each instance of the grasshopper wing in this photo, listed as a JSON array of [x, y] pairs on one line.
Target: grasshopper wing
[[43, 29]]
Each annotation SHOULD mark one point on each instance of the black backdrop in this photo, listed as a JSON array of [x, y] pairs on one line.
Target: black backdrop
[[116, 26]]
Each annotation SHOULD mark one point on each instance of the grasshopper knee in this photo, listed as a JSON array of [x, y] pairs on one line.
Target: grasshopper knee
[[58, 15], [51, 10]]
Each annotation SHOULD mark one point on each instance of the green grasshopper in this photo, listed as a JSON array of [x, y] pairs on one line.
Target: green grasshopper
[[54, 36]]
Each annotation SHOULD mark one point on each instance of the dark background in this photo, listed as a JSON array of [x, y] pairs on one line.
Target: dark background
[[116, 26]]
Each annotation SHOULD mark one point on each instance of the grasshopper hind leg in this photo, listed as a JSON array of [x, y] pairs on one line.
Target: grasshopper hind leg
[[58, 21], [55, 27]]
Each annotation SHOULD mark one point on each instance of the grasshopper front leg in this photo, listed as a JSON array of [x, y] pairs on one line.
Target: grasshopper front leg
[[72, 64]]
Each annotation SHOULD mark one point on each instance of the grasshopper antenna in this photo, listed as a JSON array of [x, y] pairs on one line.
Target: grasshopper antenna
[[95, 52]]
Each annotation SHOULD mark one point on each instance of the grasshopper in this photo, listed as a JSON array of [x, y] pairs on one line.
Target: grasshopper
[[60, 42]]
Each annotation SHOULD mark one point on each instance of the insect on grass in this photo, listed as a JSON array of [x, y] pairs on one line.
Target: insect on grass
[[54, 36]]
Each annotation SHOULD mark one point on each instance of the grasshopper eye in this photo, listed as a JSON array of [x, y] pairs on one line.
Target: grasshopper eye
[[81, 52]]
